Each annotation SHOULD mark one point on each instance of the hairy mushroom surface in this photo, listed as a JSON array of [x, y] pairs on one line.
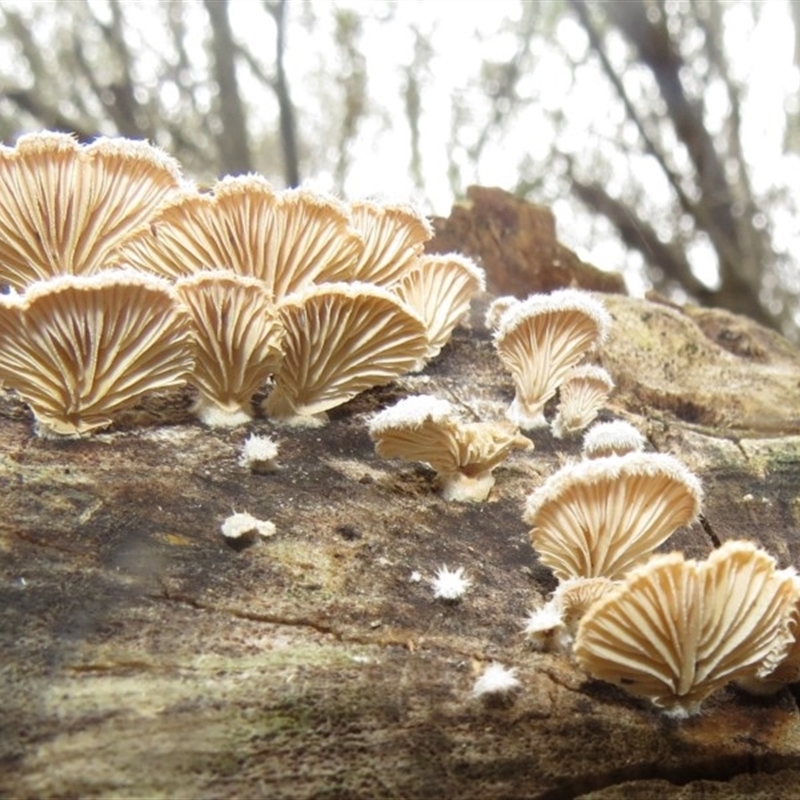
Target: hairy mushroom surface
[[394, 238], [583, 393], [612, 439], [287, 239], [553, 626], [428, 429], [238, 337], [600, 517], [79, 348], [440, 289], [540, 339], [341, 339], [66, 206], [676, 630]]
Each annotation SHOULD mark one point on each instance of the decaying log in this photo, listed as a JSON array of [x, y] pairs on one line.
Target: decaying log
[[143, 656]]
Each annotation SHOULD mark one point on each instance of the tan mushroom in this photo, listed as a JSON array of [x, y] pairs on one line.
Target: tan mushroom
[[341, 339], [428, 429], [554, 625], [79, 348], [583, 393], [540, 339], [65, 206], [612, 439], [600, 517], [496, 309], [238, 337], [288, 240], [676, 630], [440, 289], [394, 237]]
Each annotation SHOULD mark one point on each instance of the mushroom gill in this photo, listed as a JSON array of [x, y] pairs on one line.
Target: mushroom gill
[[341, 339], [66, 206], [676, 630], [394, 237], [238, 337], [440, 289], [582, 394], [287, 239], [600, 517], [540, 339], [79, 348]]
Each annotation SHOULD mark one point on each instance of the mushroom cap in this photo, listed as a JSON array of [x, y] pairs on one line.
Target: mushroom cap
[[540, 339], [574, 597], [428, 429], [600, 517], [394, 237], [496, 309], [676, 630], [440, 289], [238, 337], [341, 339], [612, 439], [287, 239], [66, 206], [583, 393], [78, 348]]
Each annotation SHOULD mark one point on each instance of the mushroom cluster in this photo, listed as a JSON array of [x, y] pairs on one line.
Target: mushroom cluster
[[659, 626], [319, 298], [540, 341], [675, 630]]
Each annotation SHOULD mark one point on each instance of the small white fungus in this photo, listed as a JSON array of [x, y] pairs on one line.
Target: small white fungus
[[496, 680], [259, 454], [449, 585], [239, 526]]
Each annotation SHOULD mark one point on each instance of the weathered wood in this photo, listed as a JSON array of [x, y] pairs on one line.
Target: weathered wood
[[144, 656]]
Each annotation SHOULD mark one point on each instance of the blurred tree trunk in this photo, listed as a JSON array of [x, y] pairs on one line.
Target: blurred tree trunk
[[720, 206], [232, 141]]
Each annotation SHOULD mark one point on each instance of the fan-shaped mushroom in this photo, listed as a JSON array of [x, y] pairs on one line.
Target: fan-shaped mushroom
[[287, 239], [676, 630], [600, 517], [440, 289], [238, 338], [65, 206], [540, 339], [79, 348], [612, 439], [394, 237], [427, 429], [582, 394], [341, 339]]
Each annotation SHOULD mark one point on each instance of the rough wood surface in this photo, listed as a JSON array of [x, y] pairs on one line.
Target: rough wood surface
[[145, 657]]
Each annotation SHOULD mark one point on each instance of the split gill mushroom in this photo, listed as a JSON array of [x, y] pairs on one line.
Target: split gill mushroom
[[427, 429], [238, 336], [66, 206], [674, 630], [582, 394], [79, 348], [600, 517], [540, 339], [340, 339], [287, 239]]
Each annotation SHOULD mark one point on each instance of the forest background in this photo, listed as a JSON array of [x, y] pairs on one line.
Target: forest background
[[664, 134]]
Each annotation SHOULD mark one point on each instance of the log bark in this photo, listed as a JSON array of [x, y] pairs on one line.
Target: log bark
[[144, 656]]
